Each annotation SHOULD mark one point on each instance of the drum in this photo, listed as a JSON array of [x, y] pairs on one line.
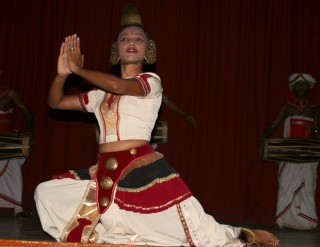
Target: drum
[[14, 145], [297, 150], [159, 133]]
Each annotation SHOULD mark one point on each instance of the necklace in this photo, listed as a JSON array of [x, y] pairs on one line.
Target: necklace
[[300, 104]]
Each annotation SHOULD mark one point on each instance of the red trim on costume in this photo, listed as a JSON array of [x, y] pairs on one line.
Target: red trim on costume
[[75, 235], [283, 166], [300, 128], [306, 217], [4, 168], [86, 98], [185, 226], [143, 78], [105, 105], [8, 199], [289, 205], [103, 130], [64, 175], [156, 198], [111, 99], [6, 122], [83, 98], [118, 120], [284, 210]]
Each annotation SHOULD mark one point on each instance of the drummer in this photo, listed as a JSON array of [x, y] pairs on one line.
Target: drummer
[[296, 207], [11, 184]]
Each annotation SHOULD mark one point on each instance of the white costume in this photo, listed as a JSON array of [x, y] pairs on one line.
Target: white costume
[[149, 205], [297, 183]]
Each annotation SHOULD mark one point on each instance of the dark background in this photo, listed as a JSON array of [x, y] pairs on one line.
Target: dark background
[[224, 62]]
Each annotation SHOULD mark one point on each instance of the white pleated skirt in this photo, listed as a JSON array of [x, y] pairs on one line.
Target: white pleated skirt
[[58, 200]]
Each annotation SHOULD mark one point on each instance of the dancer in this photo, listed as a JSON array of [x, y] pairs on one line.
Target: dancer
[[296, 206], [135, 196]]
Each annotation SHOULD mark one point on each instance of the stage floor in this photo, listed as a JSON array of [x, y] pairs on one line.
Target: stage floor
[[28, 232]]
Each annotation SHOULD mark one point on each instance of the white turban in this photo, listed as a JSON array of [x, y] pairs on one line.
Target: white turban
[[294, 78]]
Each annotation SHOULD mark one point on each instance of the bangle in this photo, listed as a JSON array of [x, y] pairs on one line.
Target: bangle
[[253, 241]]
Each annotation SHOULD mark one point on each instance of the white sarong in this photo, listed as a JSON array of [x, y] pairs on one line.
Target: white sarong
[[11, 184], [58, 200], [296, 206]]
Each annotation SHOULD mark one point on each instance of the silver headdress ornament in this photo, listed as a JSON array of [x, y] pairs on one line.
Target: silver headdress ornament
[[130, 16]]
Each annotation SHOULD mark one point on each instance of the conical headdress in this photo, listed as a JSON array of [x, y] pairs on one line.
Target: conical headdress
[[130, 16]]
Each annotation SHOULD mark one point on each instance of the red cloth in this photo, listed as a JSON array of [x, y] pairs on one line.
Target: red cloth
[[6, 122], [300, 128], [155, 199], [64, 175]]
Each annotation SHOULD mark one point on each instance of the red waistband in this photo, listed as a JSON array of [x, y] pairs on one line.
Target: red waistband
[[6, 122], [111, 166], [301, 121]]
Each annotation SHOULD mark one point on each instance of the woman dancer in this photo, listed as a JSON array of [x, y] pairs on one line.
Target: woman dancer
[[135, 196]]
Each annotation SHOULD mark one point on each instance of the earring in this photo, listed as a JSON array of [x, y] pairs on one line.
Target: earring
[[114, 57], [150, 56]]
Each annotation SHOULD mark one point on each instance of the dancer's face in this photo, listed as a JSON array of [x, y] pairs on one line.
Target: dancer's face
[[132, 45]]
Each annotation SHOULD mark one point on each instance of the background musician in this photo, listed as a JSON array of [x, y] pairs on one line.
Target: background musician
[[297, 181], [11, 183]]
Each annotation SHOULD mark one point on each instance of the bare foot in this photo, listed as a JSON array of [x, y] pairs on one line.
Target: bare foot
[[261, 237]]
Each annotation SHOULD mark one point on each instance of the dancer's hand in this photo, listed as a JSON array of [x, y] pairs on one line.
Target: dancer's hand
[[75, 58], [62, 66]]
